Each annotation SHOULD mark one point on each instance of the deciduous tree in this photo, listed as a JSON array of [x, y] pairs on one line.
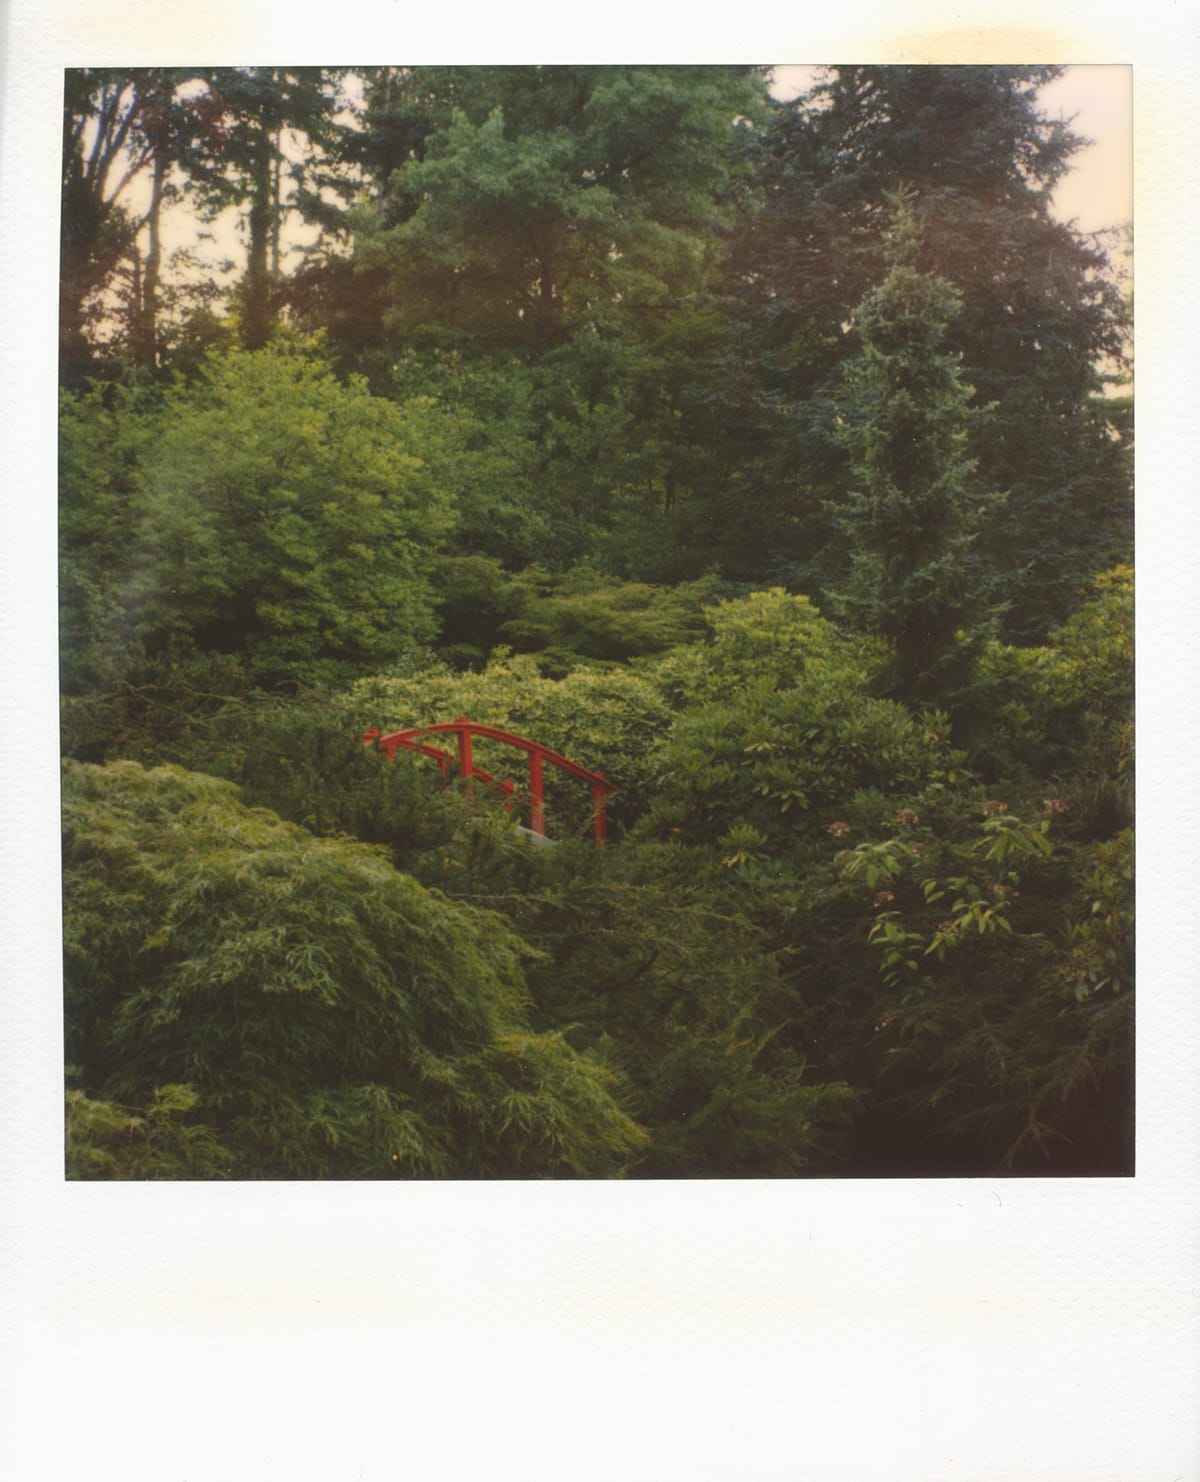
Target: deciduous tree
[[266, 511]]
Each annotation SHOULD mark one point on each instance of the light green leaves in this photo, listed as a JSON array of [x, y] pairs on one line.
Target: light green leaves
[[289, 517]]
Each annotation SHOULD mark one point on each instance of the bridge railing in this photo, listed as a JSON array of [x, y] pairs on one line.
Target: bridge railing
[[465, 731]]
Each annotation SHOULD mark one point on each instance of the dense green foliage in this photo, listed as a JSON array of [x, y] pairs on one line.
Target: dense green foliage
[[330, 1015], [333, 494], [751, 454], [1042, 317], [545, 201], [912, 514]]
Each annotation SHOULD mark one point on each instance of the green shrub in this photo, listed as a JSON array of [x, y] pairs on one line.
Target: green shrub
[[644, 956], [332, 1017], [979, 976], [587, 614], [774, 639], [786, 763], [265, 510], [1065, 710]]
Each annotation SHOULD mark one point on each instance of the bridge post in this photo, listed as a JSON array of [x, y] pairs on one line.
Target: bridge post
[[465, 762], [537, 807]]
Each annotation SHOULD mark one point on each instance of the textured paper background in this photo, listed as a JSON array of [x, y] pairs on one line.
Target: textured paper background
[[1007, 1331]]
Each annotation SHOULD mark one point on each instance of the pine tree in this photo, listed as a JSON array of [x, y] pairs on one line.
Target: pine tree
[[250, 160]]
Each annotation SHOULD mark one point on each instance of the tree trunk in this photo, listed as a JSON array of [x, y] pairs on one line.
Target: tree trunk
[[257, 318], [276, 200], [145, 345]]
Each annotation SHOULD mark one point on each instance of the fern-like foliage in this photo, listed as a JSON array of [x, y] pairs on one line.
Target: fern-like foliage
[[332, 1017]]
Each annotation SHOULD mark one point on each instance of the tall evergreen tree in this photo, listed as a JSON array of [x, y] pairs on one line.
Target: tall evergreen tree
[[1041, 313], [549, 238], [545, 199], [913, 513]]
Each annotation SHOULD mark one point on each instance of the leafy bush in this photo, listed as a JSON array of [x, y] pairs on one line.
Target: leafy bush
[[265, 510], [643, 956], [332, 1017], [771, 640], [154, 1141], [1066, 708], [774, 728], [785, 763], [579, 614], [981, 987], [590, 615]]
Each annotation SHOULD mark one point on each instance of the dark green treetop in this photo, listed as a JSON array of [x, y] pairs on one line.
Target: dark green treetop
[[913, 512], [554, 197], [1042, 317]]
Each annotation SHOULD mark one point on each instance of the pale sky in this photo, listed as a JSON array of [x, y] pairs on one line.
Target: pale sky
[[1098, 191]]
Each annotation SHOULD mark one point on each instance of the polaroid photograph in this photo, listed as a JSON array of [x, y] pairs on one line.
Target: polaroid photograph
[[583, 919]]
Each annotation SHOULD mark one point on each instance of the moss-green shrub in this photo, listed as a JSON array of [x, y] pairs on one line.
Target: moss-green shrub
[[333, 1017]]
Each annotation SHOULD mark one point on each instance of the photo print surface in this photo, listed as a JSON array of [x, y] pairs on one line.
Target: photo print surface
[[596, 622]]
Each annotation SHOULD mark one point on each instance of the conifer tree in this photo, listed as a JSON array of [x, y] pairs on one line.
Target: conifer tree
[[246, 161], [913, 512], [1042, 319]]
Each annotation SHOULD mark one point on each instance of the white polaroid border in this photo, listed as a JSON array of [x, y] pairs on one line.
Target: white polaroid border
[[965, 1330]]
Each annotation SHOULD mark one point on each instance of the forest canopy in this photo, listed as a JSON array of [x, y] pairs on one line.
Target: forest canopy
[[773, 459]]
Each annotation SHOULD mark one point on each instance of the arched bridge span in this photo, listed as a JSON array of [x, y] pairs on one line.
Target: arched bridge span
[[537, 755]]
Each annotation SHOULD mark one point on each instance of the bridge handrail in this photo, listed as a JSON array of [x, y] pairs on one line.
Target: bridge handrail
[[465, 729], [494, 733]]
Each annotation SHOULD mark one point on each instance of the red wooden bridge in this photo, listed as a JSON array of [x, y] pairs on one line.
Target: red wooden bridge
[[464, 731]]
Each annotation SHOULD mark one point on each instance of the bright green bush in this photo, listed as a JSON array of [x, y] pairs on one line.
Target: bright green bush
[[1065, 710], [785, 764], [590, 615], [265, 510], [772, 640], [332, 1017]]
